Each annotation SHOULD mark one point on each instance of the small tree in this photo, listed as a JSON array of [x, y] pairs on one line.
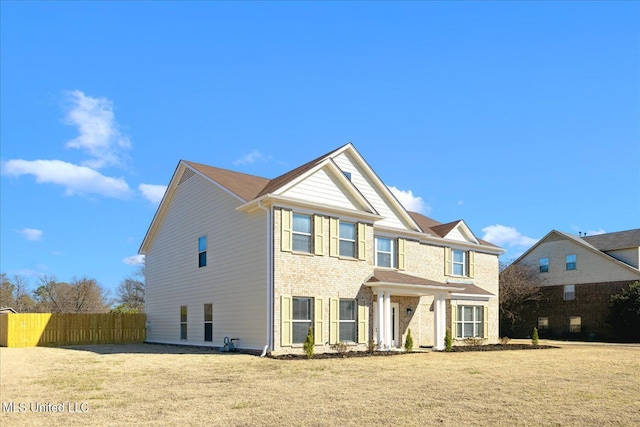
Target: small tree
[[408, 343], [519, 289], [534, 336], [308, 343], [624, 314], [448, 342]]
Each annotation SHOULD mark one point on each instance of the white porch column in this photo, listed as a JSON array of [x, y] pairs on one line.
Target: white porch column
[[380, 320], [387, 320], [440, 320]]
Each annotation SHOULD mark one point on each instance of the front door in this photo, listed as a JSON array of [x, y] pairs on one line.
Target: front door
[[396, 339]]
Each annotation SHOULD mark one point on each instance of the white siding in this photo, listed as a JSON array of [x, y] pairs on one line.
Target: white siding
[[629, 256], [455, 234], [368, 190], [323, 189], [590, 267], [234, 280]]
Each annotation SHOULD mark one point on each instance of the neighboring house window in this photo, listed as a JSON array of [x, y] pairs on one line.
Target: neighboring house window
[[202, 251], [208, 322], [183, 322], [544, 265], [348, 175], [301, 318], [301, 233], [458, 262], [571, 262], [470, 321], [543, 324], [347, 320], [347, 239], [575, 324], [569, 292], [385, 252]]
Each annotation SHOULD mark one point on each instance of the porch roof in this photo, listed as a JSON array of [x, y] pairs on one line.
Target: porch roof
[[406, 285]]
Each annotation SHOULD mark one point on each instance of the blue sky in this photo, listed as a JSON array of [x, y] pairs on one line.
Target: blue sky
[[518, 117]]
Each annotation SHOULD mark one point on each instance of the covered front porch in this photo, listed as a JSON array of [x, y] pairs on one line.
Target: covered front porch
[[386, 284]]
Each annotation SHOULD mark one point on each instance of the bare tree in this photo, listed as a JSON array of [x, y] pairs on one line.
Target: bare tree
[[130, 293], [82, 295], [14, 293], [519, 288]]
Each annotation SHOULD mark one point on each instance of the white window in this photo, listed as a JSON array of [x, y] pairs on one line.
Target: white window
[[183, 322], [543, 324], [208, 322], [301, 233], [347, 320], [385, 252], [470, 321], [202, 251], [543, 264], [347, 239], [458, 262], [571, 262], [569, 292], [575, 324], [301, 318]]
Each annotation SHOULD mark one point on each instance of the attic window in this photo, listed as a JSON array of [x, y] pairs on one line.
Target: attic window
[[348, 175], [188, 173]]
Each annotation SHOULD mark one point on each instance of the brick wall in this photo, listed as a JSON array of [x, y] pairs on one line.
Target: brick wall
[[591, 303]]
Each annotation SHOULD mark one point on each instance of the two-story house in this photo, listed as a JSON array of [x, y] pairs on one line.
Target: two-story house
[[578, 275], [326, 246]]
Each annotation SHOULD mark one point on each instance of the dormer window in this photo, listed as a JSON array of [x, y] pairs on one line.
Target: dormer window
[[348, 175]]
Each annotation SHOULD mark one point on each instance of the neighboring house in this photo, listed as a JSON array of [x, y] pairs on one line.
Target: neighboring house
[[7, 310], [325, 246], [578, 275]]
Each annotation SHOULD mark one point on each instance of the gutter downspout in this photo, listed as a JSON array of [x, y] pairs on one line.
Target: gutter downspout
[[269, 212]]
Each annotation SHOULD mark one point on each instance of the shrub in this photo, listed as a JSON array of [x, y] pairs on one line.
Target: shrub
[[408, 344], [448, 342], [308, 343], [341, 347], [473, 341], [534, 336], [505, 340]]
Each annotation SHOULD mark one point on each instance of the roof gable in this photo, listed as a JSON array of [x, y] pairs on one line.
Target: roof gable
[[245, 186]]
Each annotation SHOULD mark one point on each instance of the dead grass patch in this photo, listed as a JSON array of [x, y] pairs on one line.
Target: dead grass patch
[[143, 384]]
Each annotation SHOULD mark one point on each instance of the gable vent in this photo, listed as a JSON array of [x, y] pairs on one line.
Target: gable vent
[[188, 173]]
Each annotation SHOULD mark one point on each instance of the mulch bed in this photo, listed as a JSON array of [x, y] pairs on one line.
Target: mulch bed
[[499, 347], [454, 349]]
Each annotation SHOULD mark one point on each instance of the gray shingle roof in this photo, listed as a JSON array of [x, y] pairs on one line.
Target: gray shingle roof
[[613, 241]]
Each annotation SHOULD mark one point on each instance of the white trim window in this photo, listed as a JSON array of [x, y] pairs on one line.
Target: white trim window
[[543, 324], [543, 265], [347, 239], [569, 293], [301, 233], [470, 321], [571, 262], [458, 262], [208, 322], [202, 251], [385, 252], [301, 319], [183, 322], [348, 320], [575, 324]]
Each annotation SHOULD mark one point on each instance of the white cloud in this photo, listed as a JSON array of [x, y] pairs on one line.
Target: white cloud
[[410, 202], [152, 192], [134, 260], [99, 135], [506, 236], [595, 232], [251, 157], [76, 179], [31, 233]]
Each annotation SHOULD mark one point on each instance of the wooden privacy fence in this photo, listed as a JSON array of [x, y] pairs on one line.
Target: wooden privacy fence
[[49, 329]]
